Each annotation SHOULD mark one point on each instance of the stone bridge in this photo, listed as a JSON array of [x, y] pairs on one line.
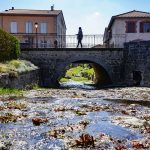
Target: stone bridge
[[112, 65], [53, 63]]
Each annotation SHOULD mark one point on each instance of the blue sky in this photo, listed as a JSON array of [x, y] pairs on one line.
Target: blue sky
[[92, 15]]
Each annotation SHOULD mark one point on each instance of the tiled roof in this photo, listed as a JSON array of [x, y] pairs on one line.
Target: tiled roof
[[134, 14], [131, 14], [30, 12]]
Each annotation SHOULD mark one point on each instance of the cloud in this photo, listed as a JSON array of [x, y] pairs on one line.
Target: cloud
[[96, 14]]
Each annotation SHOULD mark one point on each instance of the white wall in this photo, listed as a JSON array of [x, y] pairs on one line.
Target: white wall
[[61, 30], [119, 35]]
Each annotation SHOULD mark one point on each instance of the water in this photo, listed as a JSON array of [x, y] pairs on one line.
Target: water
[[77, 85], [72, 117], [62, 113]]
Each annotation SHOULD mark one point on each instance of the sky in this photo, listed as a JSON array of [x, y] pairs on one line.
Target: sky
[[92, 15]]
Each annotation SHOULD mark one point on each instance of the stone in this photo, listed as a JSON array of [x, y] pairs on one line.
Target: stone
[[2, 146]]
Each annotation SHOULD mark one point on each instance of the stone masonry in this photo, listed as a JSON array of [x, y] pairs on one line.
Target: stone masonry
[[23, 80], [53, 63], [137, 63], [129, 66]]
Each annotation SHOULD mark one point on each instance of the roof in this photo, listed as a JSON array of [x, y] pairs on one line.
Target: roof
[[130, 14], [30, 12], [134, 14]]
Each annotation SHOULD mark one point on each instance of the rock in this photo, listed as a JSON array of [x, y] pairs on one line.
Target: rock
[[2, 146], [131, 121], [38, 121]]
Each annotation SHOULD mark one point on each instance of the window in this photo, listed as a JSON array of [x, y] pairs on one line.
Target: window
[[28, 27], [13, 27], [43, 27], [130, 27], [144, 27]]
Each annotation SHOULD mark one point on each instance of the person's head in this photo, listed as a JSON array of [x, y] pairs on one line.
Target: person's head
[[80, 28]]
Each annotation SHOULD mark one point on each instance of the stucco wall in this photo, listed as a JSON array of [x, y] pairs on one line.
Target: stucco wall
[[21, 20], [119, 32]]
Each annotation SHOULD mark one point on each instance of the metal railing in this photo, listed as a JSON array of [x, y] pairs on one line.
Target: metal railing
[[41, 40], [33, 40]]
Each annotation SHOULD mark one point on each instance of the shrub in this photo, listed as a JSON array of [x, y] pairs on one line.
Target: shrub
[[9, 46]]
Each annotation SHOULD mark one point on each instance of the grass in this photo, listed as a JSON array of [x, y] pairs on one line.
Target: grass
[[5, 91], [16, 66], [80, 73]]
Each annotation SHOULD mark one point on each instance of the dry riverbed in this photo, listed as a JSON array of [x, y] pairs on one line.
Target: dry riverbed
[[110, 119]]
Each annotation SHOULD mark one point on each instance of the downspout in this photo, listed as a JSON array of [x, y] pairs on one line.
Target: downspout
[[2, 22]]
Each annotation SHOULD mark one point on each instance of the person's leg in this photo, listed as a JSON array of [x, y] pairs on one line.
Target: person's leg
[[78, 44], [81, 43]]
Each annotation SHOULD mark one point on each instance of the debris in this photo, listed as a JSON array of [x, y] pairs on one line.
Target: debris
[[137, 144], [8, 117], [80, 113], [38, 121], [85, 140]]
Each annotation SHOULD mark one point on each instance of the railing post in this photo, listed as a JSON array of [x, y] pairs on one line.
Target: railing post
[[94, 40]]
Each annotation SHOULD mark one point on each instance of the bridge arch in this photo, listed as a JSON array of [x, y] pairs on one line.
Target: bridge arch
[[102, 74]]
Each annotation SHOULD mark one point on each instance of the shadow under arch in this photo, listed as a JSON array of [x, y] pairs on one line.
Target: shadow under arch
[[102, 76]]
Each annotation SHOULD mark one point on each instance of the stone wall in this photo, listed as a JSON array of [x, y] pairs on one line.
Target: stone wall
[[137, 63], [53, 63], [24, 80]]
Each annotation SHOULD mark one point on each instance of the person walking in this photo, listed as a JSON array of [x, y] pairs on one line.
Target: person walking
[[79, 37], [56, 44]]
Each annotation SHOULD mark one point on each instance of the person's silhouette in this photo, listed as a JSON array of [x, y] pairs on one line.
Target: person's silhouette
[[79, 37]]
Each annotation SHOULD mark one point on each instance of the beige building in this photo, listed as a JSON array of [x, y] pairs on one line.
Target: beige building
[[130, 26], [35, 28]]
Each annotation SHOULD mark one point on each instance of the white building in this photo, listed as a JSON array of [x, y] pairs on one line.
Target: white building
[[126, 27]]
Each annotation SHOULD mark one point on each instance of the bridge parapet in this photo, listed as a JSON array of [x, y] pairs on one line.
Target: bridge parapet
[[72, 49]]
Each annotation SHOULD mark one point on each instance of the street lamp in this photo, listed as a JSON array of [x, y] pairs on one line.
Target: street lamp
[[36, 29]]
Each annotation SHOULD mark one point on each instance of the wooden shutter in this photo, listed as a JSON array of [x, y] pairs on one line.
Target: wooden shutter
[[131, 27], [141, 27]]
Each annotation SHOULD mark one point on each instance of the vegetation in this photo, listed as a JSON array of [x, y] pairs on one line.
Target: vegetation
[[8, 117], [14, 67], [17, 92], [9, 46], [81, 73]]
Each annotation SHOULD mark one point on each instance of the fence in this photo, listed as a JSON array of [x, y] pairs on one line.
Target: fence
[[60, 41], [39, 40]]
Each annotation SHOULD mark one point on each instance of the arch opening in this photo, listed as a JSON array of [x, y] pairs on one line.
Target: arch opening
[[86, 73]]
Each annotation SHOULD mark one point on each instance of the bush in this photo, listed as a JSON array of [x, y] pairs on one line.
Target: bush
[[9, 46]]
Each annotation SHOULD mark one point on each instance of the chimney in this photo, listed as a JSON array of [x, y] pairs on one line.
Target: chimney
[[52, 8]]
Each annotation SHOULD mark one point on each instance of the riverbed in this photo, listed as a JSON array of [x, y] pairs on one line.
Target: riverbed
[[68, 119]]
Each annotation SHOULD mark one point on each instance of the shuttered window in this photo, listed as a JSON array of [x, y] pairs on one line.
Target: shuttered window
[[130, 27], [13, 27], [144, 27], [43, 27], [28, 27]]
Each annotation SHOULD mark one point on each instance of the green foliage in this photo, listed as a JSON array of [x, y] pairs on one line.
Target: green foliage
[[82, 73], [4, 91], [9, 46]]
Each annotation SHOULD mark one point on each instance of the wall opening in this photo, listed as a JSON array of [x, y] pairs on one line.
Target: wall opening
[[137, 78], [85, 73]]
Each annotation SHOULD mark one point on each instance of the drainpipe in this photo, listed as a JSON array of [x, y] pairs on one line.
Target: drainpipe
[[2, 22]]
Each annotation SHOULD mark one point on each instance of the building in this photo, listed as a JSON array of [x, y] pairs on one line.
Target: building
[[130, 26], [35, 28]]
